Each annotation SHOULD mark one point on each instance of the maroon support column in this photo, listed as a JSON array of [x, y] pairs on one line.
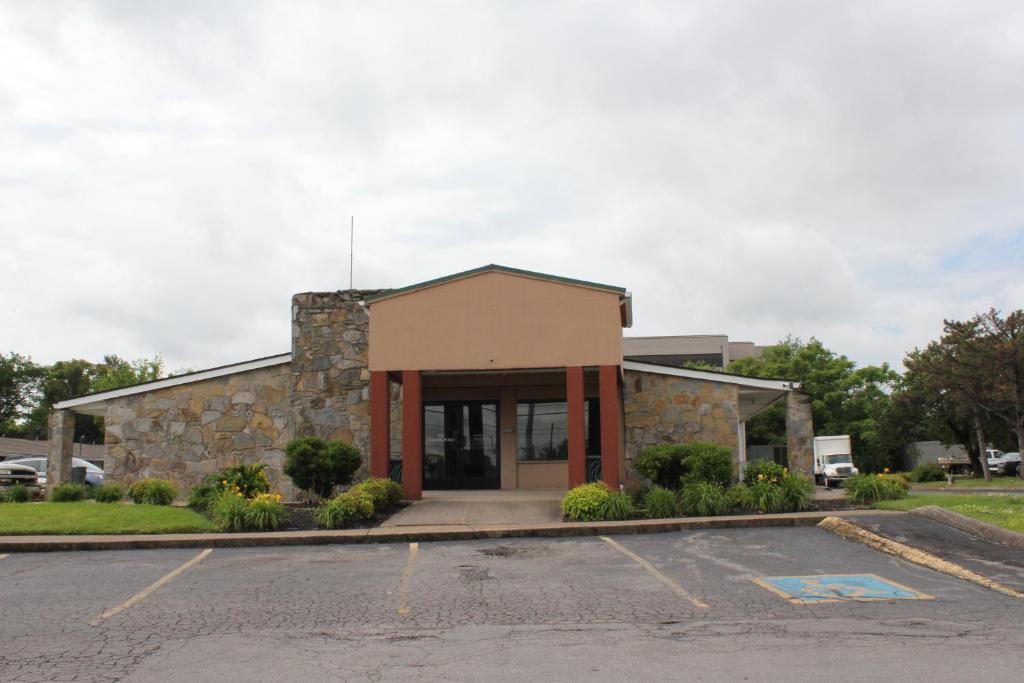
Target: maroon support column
[[577, 450], [610, 418], [380, 423], [412, 434]]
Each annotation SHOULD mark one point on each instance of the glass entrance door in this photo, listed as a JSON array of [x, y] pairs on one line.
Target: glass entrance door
[[460, 445]]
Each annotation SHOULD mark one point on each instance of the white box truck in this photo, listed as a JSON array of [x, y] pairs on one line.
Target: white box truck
[[833, 459]]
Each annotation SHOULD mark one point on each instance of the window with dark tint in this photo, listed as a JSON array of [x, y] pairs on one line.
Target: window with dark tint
[[542, 430]]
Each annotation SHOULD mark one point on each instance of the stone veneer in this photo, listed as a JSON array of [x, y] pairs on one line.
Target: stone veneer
[[799, 432], [668, 409], [185, 432]]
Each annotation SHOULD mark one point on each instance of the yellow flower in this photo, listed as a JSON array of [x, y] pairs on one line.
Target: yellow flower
[[886, 470], [239, 495]]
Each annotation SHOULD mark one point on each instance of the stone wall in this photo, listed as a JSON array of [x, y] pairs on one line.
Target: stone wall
[[667, 409], [330, 381], [799, 433], [185, 432]]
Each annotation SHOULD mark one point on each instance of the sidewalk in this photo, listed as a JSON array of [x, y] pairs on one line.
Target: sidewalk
[[408, 534]]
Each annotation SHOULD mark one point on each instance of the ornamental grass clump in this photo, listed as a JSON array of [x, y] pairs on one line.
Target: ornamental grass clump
[[16, 493], [229, 511], [871, 488], [265, 512], [386, 494], [660, 502], [109, 493], [770, 488], [617, 506], [152, 492], [585, 503], [249, 480], [344, 510], [68, 493], [704, 499]]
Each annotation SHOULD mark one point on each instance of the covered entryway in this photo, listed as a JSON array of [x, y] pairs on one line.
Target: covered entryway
[[461, 445]]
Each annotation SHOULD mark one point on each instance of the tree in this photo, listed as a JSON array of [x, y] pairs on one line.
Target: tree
[[845, 399], [19, 382]]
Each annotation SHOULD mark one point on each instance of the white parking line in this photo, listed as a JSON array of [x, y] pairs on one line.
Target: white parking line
[[113, 611], [3, 555], [403, 585], [651, 569]]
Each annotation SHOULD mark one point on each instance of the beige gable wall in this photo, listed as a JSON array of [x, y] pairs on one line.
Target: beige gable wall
[[495, 320]]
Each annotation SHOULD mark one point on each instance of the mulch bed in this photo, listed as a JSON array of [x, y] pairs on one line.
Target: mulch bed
[[301, 517]]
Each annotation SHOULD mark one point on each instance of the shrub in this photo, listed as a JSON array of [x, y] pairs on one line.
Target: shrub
[[585, 503], [617, 506], [152, 492], [797, 493], [229, 511], [249, 480], [67, 493], [264, 512], [384, 493], [317, 466], [870, 488], [109, 493], [18, 493], [672, 465], [768, 468], [660, 502], [704, 499], [928, 471], [763, 495], [344, 509]]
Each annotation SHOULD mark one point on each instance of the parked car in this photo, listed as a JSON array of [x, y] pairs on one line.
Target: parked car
[[13, 473], [93, 474], [1003, 463]]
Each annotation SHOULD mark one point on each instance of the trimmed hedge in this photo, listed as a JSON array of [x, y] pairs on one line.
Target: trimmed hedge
[[586, 503], [152, 492], [674, 465]]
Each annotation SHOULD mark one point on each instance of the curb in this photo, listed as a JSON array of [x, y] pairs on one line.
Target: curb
[[852, 532], [411, 534], [975, 527]]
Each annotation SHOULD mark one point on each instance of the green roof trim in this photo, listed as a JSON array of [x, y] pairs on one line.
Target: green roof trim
[[495, 268]]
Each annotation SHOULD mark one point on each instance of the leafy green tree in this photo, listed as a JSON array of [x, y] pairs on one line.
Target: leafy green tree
[[19, 383], [845, 399]]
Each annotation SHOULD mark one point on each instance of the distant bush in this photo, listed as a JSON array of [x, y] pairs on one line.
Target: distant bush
[[704, 499], [109, 493], [344, 510], [674, 465], [617, 506], [317, 466], [585, 503], [68, 493], [660, 502], [929, 471], [871, 488], [152, 492], [768, 468], [384, 493], [249, 480], [17, 493]]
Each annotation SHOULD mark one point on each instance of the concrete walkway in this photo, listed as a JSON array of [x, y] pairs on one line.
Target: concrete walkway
[[443, 508]]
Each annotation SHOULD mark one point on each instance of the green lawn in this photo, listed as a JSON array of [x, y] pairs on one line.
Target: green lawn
[[974, 482], [1004, 511], [98, 518]]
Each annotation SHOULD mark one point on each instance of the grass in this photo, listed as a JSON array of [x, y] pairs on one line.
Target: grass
[[98, 518], [975, 482], [1004, 511]]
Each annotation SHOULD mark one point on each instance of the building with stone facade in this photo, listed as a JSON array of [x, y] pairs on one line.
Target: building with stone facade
[[489, 378]]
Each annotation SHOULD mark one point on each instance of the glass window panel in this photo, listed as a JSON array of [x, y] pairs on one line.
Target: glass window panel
[[542, 430]]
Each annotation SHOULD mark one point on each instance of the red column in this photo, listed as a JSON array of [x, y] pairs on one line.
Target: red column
[[380, 423], [412, 434], [577, 450], [611, 415]]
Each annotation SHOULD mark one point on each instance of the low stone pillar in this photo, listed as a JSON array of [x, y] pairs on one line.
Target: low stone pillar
[[60, 447], [799, 433]]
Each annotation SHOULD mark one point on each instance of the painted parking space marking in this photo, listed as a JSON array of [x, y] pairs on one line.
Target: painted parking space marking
[[142, 595], [3, 555], [831, 588], [403, 584], [653, 571]]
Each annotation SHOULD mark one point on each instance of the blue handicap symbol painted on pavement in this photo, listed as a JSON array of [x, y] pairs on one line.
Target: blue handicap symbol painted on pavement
[[838, 588]]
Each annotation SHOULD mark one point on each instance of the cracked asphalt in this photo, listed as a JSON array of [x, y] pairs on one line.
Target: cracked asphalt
[[514, 609]]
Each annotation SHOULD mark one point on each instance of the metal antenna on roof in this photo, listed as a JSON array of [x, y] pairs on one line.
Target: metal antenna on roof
[[351, 244]]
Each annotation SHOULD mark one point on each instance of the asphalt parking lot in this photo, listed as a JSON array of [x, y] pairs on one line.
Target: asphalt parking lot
[[660, 607]]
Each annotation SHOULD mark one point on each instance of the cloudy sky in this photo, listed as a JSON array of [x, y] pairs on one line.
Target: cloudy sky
[[171, 172]]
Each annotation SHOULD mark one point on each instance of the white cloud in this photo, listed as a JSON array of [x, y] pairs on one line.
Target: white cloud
[[174, 172]]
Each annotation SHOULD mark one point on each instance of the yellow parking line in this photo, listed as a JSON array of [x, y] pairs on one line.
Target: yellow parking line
[[403, 585], [651, 569], [2, 556], [113, 611]]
